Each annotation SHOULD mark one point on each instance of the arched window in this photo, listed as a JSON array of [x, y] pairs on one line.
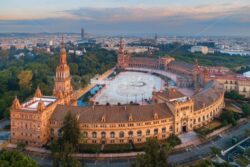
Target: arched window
[[130, 134], [103, 134], [94, 134], [155, 131], [163, 130], [60, 133], [171, 128], [139, 133], [121, 134], [85, 134], [112, 134], [148, 132]]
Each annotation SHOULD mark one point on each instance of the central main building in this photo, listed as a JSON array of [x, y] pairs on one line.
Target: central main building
[[40, 120]]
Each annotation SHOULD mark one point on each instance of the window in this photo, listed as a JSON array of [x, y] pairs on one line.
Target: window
[[155, 131], [60, 133], [139, 133], [94, 134], [148, 132], [103, 134], [112, 134], [130, 134], [85, 134], [171, 128], [121, 134], [163, 130]]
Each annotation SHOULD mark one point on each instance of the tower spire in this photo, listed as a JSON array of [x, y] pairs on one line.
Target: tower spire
[[62, 42], [62, 87], [38, 92], [63, 59], [121, 48], [16, 104]]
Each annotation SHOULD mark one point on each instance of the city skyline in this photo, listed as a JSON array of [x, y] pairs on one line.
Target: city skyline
[[139, 17]]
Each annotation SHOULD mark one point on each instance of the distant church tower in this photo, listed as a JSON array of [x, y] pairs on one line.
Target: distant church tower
[[123, 58], [63, 87]]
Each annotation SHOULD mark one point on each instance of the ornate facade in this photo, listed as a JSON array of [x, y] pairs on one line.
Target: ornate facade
[[30, 120], [40, 119], [171, 113]]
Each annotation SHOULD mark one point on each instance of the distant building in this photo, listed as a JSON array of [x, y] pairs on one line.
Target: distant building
[[202, 49], [51, 43], [79, 53], [17, 56], [82, 33]]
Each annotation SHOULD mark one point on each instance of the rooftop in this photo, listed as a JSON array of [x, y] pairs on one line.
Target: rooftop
[[113, 114], [32, 104]]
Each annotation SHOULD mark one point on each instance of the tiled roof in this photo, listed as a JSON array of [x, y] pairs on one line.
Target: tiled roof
[[182, 64], [212, 91], [171, 93], [113, 114]]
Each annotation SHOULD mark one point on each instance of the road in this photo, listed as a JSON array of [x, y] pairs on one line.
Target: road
[[199, 152]]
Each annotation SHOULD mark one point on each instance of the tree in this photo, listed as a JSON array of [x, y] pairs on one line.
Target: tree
[[21, 146], [24, 79], [55, 151], [62, 155], [234, 95], [228, 117], [173, 140], [70, 130], [73, 68], [66, 158], [15, 159], [247, 132], [215, 150], [155, 155], [246, 109]]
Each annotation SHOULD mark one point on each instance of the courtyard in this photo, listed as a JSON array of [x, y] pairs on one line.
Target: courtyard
[[129, 87]]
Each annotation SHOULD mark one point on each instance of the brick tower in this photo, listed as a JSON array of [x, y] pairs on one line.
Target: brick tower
[[123, 57], [63, 87]]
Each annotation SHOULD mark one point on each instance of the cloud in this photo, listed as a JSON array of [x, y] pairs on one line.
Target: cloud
[[223, 19], [142, 13]]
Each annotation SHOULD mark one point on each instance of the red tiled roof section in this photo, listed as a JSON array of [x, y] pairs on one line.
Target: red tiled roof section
[[113, 114], [171, 93], [211, 92]]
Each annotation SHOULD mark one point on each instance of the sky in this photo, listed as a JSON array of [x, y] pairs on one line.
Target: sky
[[127, 17]]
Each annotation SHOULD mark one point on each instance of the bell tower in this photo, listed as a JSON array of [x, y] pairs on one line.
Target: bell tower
[[63, 87], [123, 58]]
